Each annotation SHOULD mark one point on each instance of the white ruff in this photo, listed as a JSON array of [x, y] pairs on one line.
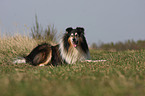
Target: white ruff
[[73, 54]]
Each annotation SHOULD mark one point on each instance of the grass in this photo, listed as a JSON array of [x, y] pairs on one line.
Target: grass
[[123, 74]]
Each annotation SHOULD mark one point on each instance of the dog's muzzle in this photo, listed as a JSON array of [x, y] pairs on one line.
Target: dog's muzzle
[[75, 42]]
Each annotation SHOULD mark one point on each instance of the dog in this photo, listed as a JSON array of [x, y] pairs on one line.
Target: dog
[[72, 47]]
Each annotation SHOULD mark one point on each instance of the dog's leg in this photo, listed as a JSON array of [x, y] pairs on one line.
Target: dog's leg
[[48, 59], [94, 61], [41, 65]]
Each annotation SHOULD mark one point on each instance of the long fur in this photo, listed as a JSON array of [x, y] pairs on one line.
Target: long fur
[[71, 54], [71, 48]]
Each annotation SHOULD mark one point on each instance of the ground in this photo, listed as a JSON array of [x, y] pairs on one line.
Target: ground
[[123, 74]]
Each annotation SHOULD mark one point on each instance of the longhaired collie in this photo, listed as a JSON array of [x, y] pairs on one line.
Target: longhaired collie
[[72, 47]]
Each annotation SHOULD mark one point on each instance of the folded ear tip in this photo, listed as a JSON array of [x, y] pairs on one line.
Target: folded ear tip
[[80, 28], [69, 29]]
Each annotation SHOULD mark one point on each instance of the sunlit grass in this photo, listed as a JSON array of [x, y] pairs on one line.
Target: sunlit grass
[[123, 74]]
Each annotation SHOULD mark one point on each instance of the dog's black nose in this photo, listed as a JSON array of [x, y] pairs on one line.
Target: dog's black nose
[[74, 39]]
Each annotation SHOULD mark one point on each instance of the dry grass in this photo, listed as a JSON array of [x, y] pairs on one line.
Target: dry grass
[[13, 46]]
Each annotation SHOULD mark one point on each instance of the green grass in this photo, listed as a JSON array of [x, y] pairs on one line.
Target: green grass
[[123, 74]]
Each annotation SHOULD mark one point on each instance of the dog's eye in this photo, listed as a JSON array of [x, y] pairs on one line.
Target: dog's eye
[[72, 34], [76, 34]]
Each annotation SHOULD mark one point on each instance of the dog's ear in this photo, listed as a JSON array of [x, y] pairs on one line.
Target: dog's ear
[[69, 29], [80, 29]]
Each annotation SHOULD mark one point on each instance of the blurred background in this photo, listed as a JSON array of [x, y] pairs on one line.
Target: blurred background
[[107, 23]]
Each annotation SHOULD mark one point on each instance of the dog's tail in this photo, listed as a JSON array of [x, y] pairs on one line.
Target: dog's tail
[[19, 60]]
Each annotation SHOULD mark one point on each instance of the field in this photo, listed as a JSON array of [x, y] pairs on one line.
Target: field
[[123, 74]]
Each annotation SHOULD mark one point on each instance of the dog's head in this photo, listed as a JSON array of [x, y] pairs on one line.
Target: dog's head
[[74, 35]]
